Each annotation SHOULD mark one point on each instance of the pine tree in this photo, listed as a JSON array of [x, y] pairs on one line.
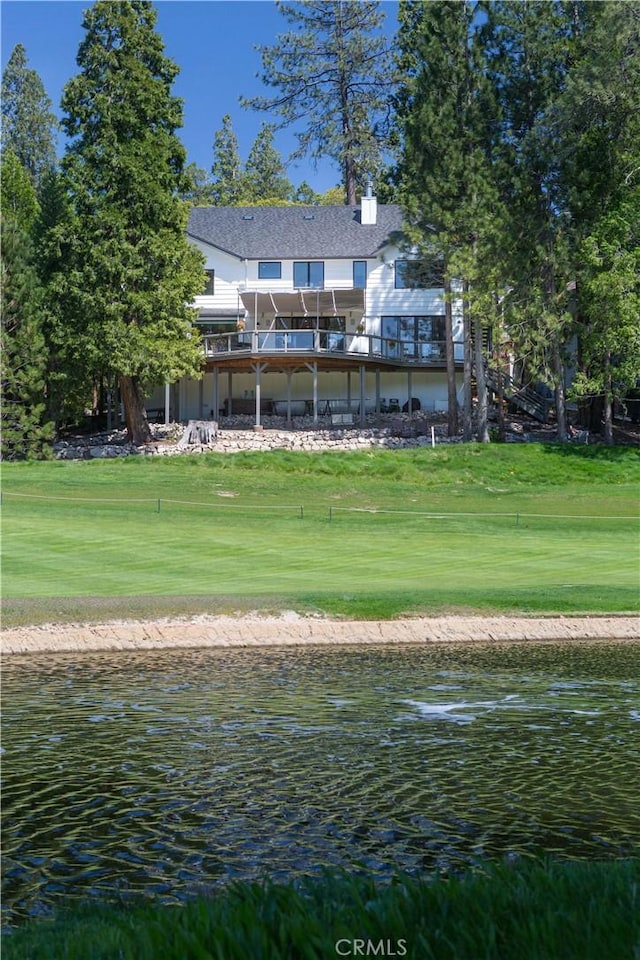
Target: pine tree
[[26, 434], [28, 123], [131, 270], [305, 194], [71, 357], [229, 187], [265, 173], [332, 76], [199, 187], [599, 114], [609, 297], [530, 47], [444, 173]]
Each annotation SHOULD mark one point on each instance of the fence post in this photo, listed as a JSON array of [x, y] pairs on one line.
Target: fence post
[[158, 504]]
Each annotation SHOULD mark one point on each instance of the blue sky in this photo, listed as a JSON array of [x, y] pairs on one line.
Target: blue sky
[[212, 41]]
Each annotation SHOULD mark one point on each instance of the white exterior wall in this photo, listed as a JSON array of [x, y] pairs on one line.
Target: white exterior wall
[[384, 300], [230, 278], [234, 276]]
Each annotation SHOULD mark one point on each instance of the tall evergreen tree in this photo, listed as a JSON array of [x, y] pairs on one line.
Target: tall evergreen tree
[[131, 270], [609, 297], [305, 194], [199, 187], [599, 115], [332, 75], [445, 179], [28, 123], [265, 172], [71, 360], [530, 47], [26, 434], [229, 187]]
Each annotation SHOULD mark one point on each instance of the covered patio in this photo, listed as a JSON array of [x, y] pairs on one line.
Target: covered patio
[[352, 401]]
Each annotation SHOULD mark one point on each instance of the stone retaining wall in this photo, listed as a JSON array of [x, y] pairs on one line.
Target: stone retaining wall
[[238, 433]]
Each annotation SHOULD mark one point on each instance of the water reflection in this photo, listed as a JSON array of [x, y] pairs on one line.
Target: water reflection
[[165, 773]]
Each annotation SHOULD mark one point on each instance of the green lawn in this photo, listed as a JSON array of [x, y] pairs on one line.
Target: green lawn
[[526, 528]]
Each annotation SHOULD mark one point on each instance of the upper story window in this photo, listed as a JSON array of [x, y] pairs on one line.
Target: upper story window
[[209, 290], [308, 273], [418, 274], [359, 274], [400, 274], [269, 270]]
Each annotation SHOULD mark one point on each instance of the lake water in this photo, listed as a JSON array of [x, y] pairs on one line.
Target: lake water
[[168, 773]]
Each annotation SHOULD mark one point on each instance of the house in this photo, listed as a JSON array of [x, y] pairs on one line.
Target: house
[[313, 310]]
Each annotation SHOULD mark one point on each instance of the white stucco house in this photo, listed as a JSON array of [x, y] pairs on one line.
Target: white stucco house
[[310, 309]]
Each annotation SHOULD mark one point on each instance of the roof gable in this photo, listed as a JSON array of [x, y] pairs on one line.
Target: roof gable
[[295, 233]]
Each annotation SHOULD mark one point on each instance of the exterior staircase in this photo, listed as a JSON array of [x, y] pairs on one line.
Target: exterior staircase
[[522, 397]]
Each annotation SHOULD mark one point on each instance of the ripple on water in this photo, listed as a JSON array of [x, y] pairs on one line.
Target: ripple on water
[[169, 773]]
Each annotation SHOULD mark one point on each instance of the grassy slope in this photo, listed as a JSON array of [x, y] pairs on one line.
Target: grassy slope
[[531, 911], [245, 544]]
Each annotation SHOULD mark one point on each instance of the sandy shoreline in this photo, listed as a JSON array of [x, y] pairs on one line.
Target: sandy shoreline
[[290, 629]]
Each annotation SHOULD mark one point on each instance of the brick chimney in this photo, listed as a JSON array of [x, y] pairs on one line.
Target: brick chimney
[[368, 206]]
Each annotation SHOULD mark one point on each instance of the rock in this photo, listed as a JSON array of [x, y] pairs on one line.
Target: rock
[[238, 435]]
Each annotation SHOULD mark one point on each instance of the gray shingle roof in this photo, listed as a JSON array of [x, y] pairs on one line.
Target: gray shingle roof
[[295, 233]]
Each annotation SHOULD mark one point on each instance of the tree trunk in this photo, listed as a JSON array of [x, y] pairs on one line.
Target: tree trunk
[[452, 396], [502, 428], [95, 398], [482, 408], [135, 415], [608, 402], [467, 420], [561, 408], [350, 182]]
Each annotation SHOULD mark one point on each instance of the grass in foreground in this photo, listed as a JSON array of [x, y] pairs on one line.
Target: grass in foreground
[[375, 534], [527, 911]]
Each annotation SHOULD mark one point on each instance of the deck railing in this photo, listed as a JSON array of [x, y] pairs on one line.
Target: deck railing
[[328, 342]]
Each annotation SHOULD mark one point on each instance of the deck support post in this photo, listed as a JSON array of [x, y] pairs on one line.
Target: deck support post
[[315, 393], [377, 391], [216, 393], [201, 399], [229, 394], [349, 391], [410, 392], [313, 367], [167, 402], [362, 394], [182, 389], [289, 376], [258, 368]]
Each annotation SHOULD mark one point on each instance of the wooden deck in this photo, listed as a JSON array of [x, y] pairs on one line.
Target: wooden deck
[[293, 349]]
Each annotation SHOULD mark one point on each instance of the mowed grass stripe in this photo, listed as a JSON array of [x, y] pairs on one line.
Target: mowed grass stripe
[[187, 553], [379, 543]]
